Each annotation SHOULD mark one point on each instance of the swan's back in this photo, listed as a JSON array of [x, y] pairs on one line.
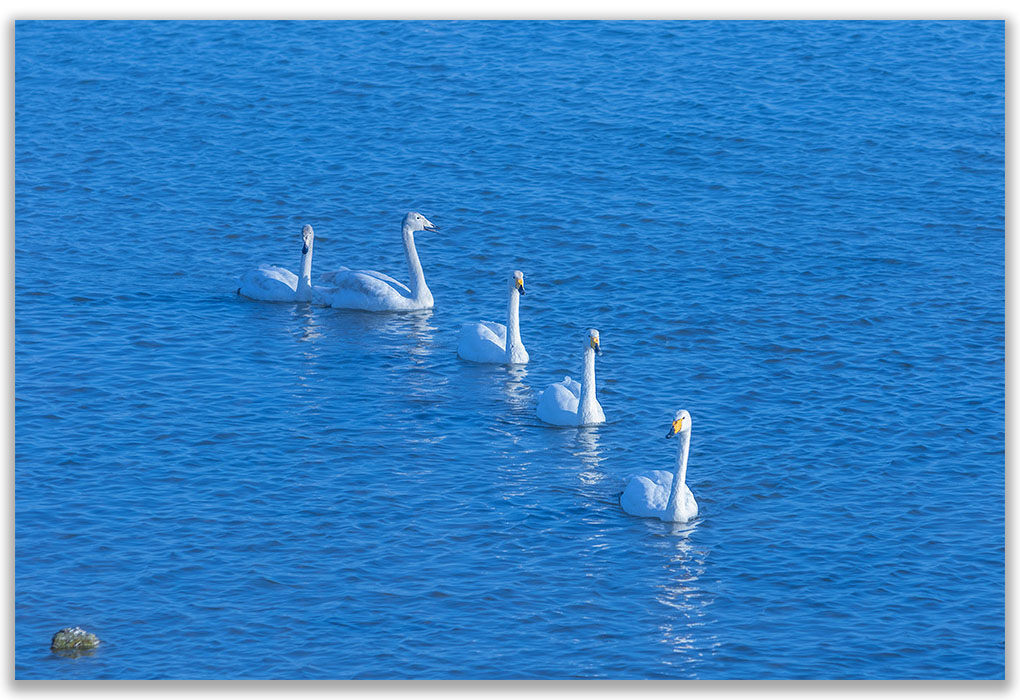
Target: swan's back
[[269, 283], [329, 278], [348, 277], [498, 331], [571, 385], [367, 282], [558, 403], [482, 342], [364, 289], [647, 495]]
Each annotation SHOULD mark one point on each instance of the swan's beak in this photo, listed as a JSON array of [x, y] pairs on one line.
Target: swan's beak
[[596, 347], [677, 425], [429, 226], [520, 287], [304, 249]]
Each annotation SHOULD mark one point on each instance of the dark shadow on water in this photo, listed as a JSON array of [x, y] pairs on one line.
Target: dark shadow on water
[[73, 653]]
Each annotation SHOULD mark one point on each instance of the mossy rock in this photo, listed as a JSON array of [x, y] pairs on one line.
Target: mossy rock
[[73, 639]]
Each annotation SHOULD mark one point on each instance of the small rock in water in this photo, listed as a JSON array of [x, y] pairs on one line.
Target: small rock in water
[[73, 638]]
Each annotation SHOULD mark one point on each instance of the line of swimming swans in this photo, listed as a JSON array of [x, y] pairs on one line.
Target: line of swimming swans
[[659, 494]]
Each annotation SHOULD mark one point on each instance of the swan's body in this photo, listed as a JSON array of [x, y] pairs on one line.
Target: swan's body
[[373, 291], [493, 342], [661, 494], [572, 403], [272, 283]]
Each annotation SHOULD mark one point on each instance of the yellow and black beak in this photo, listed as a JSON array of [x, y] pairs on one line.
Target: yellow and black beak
[[678, 425], [595, 346], [519, 284]]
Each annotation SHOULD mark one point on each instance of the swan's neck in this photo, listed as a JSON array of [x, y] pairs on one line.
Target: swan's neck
[[304, 287], [514, 345], [680, 476], [419, 290], [586, 404]]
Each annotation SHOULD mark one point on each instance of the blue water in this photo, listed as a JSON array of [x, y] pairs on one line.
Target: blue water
[[795, 231]]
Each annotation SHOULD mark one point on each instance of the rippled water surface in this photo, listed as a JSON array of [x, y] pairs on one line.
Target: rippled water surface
[[793, 230]]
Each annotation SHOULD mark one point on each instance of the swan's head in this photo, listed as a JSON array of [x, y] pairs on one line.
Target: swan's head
[[307, 236], [681, 423], [593, 340], [517, 281], [414, 221]]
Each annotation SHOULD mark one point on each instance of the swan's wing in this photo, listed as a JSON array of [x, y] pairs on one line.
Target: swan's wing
[[272, 272], [269, 283], [498, 330], [344, 277], [358, 289], [480, 342], [399, 286], [563, 395], [328, 278], [573, 386], [646, 495], [367, 282], [483, 331], [558, 405]]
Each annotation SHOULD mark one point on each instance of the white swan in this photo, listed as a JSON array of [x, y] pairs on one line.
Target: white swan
[[493, 342], [570, 403], [661, 494], [272, 283], [373, 291]]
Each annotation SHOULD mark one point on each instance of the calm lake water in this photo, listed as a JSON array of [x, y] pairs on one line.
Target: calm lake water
[[796, 231]]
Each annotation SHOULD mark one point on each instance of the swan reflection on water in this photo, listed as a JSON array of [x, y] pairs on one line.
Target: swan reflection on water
[[590, 451], [417, 327], [304, 319], [518, 393], [306, 330], [684, 629], [422, 382]]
